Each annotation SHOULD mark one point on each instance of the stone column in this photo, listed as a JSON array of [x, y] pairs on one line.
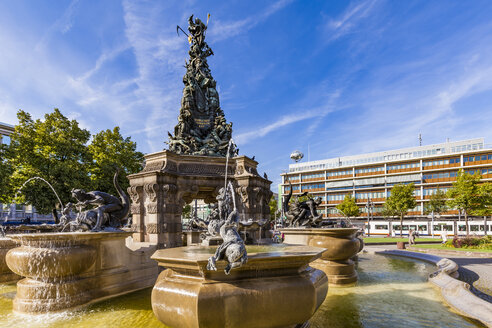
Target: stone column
[[137, 210]]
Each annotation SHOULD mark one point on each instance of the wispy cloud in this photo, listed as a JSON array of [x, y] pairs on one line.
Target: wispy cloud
[[302, 112], [223, 30], [349, 19], [61, 25]]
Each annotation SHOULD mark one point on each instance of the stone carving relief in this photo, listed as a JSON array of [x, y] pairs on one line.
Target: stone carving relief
[[151, 191]]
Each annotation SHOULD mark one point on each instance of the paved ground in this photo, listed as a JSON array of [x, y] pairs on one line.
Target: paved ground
[[474, 270]]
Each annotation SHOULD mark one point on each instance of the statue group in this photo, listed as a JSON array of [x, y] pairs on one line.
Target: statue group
[[97, 210], [302, 213], [202, 128]]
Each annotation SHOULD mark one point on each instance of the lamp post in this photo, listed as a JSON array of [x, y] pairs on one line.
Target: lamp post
[[369, 207]]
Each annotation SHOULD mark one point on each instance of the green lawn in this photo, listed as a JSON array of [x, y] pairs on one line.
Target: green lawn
[[370, 240], [442, 247]]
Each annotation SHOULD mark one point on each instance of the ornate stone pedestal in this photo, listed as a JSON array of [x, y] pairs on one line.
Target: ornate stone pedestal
[[6, 274], [341, 245], [65, 270], [273, 289], [170, 181]]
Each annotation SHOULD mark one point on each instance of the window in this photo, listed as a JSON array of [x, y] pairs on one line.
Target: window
[[381, 227]]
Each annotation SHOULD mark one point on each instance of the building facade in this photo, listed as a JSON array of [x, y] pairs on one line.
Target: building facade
[[17, 212], [370, 177]]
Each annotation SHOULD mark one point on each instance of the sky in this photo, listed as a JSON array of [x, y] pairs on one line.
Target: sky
[[328, 78]]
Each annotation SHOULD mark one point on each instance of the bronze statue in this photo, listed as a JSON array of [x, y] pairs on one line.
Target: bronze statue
[[110, 211], [302, 213], [202, 128], [232, 249]]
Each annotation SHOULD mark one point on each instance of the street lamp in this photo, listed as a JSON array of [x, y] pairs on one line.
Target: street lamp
[[369, 207]]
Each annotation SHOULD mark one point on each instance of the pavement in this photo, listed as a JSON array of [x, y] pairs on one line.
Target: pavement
[[474, 269]]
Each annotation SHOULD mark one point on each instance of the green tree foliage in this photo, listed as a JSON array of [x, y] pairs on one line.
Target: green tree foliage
[[437, 203], [53, 149], [109, 150], [485, 194], [465, 195], [6, 170], [187, 211], [273, 207], [56, 150], [348, 207], [400, 201]]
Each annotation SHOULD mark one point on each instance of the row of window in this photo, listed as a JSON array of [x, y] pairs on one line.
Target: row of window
[[428, 192], [370, 169], [477, 158], [367, 195], [338, 173], [440, 175], [466, 147], [402, 166], [312, 176], [313, 186], [482, 172], [336, 197], [442, 162]]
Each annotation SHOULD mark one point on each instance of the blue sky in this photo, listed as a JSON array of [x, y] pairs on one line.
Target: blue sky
[[337, 77]]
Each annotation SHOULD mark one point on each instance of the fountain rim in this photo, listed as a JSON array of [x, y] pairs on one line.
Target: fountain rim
[[338, 232], [178, 254], [62, 236]]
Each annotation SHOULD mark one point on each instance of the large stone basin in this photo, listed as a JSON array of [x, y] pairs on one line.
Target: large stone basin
[[6, 274], [341, 245], [65, 270], [274, 289]]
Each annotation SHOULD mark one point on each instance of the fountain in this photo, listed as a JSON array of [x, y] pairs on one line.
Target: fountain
[[68, 269], [341, 244], [231, 285], [254, 287]]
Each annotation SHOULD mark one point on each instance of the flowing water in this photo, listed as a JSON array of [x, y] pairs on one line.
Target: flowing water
[[49, 184], [392, 292]]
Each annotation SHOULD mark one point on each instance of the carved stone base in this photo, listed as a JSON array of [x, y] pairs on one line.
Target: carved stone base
[[338, 272], [66, 270]]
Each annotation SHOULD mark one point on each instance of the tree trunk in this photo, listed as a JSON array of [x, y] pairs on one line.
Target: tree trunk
[[401, 225], [466, 224]]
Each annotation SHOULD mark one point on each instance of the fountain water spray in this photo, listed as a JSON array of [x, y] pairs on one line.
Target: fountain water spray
[[39, 178], [231, 142]]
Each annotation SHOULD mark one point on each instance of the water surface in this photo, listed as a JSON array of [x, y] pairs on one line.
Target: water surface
[[392, 292]]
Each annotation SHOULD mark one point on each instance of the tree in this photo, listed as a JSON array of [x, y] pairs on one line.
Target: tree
[[348, 207], [109, 150], [273, 204], [53, 149], [400, 201], [437, 203], [465, 194], [6, 170], [485, 194]]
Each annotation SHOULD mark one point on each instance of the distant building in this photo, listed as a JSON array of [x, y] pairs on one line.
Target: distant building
[[17, 212], [370, 177]]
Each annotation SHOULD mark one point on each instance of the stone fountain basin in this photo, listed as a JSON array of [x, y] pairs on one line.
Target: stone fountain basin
[[340, 243], [49, 256], [6, 274], [275, 288]]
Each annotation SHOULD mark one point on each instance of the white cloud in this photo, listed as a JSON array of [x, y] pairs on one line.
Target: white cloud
[[223, 30], [349, 19]]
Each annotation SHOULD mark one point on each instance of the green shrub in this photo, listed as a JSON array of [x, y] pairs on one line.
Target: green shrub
[[474, 242]]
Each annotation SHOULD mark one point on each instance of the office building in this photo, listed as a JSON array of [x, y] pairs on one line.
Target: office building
[[370, 177]]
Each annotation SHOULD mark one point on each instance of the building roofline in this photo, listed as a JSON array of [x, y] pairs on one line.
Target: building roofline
[[442, 149]]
